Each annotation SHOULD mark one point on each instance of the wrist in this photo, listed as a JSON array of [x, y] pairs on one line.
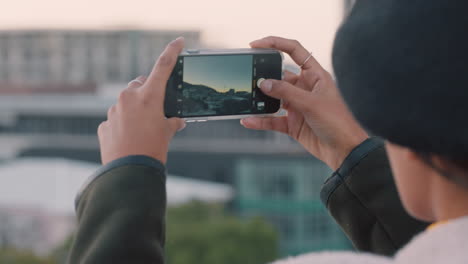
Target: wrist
[[159, 156], [337, 157]]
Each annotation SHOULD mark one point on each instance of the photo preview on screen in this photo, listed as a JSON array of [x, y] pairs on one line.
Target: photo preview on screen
[[216, 85]]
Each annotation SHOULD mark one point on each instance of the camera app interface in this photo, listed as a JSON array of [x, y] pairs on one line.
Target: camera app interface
[[215, 85]]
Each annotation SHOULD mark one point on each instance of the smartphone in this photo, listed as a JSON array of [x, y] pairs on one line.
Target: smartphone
[[222, 84]]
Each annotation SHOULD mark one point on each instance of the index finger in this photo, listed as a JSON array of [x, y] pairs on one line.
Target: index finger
[[156, 82], [292, 47]]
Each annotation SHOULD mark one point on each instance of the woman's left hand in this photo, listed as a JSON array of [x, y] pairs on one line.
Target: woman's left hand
[[317, 116]]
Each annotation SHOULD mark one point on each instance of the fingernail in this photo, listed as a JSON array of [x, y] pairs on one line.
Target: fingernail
[[245, 121], [182, 127], [178, 39], [266, 86]]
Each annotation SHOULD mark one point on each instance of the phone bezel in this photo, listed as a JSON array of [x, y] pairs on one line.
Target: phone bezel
[[214, 52]]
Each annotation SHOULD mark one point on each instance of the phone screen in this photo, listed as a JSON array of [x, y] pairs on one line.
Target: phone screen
[[217, 85]]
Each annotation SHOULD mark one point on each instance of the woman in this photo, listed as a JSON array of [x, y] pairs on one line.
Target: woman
[[400, 67]]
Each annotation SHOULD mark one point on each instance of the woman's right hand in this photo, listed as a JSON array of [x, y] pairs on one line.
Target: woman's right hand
[[317, 115]]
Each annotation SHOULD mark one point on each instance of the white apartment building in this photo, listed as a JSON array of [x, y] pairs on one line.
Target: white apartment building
[[48, 58]]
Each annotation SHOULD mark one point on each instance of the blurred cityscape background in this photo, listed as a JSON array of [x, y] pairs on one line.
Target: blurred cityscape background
[[229, 189]]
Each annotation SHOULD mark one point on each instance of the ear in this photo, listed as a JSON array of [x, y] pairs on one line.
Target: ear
[[413, 178], [404, 152], [453, 170], [413, 156], [409, 155]]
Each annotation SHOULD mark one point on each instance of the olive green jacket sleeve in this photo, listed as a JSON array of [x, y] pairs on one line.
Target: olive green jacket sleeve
[[362, 197], [121, 214]]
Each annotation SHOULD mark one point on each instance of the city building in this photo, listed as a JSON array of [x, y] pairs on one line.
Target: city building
[[79, 60], [285, 191], [37, 199], [271, 175]]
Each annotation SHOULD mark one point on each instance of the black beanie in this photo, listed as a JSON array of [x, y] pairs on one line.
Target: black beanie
[[402, 68]]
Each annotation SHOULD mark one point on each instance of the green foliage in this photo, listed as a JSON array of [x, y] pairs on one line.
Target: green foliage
[[13, 256], [196, 233], [202, 233], [60, 254]]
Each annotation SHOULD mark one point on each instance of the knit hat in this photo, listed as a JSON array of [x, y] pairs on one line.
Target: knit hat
[[402, 68]]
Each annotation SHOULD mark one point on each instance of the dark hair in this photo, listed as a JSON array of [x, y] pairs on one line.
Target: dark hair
[[454, 169]]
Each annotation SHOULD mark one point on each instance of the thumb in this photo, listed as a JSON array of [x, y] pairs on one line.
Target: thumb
[[295, 96], [175, 124]]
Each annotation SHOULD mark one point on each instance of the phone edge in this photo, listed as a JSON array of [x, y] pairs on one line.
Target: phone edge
[[230, 117]]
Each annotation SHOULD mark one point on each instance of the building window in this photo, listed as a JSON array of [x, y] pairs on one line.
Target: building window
[[3, 50], [317, 225], [113, 54], [273, 185]]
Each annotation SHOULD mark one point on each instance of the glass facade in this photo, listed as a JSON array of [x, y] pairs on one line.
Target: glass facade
[[53, 125], [81, 56], [286, 192]]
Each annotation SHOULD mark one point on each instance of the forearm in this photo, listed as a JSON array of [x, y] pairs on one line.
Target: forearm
[[121, 214], [363, 199]]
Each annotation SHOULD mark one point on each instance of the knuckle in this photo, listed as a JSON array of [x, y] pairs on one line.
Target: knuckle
[[267, 124], [124, 95], [273, 42], [146, 98], [296, 42], [111, 111], [100, 128], [142, 78], [278, 86], [165, 60], [327, 75], [323, 75]]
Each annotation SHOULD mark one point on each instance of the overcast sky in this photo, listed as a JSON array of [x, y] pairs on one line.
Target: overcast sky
[[221, 73], [229, 24]]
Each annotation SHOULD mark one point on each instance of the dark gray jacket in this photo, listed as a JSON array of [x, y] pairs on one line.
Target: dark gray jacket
[[362, 197], [121, 211]]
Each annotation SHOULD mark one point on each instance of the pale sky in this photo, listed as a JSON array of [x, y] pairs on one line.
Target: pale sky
[[221, 73], [231, 24]]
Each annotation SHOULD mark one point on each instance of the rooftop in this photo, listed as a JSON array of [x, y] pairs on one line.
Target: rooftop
[[52, 184]]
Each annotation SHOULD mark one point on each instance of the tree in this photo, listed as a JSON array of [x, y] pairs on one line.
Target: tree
[[13, 256], [60, 254], [203, 233]]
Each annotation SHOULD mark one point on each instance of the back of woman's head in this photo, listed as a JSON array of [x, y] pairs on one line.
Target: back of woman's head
[[402, 69]]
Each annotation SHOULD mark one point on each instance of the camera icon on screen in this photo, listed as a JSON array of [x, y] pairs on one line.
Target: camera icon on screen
[[260, 106]]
